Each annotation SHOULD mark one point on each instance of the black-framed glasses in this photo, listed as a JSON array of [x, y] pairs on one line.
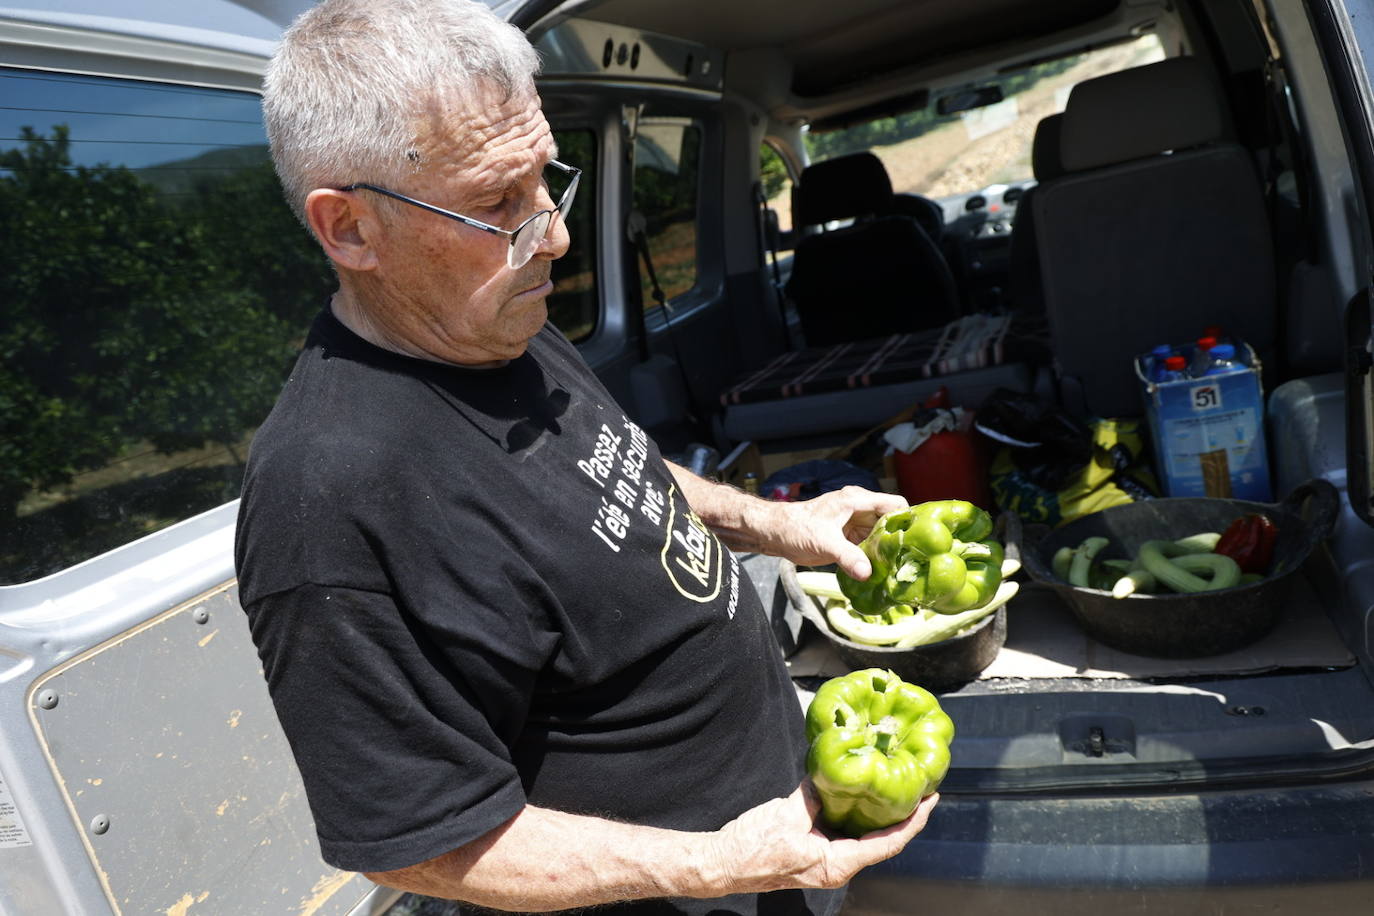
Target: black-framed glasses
[[524, 238]]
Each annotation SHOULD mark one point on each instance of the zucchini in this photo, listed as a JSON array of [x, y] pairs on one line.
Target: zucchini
[[1177, 570], [1136, 580], [1082, 561], [1059, 565]]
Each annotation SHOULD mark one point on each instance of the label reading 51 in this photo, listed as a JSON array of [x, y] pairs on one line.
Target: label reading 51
[[1205, 397]]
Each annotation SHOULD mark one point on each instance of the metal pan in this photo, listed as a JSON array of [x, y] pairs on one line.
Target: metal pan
[[939, 666], [1197, 625]]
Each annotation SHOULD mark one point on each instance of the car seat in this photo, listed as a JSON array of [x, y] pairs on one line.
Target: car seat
[[1023, 268], [928, 214], [1156, 229], [878, 274]]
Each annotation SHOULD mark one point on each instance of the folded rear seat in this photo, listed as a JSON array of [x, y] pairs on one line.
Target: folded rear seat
[[859, 384], [879, 310]]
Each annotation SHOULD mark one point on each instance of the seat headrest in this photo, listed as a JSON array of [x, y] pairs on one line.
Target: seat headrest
[[1144, 111], [929, 215], [1046, 160], [853, 185]]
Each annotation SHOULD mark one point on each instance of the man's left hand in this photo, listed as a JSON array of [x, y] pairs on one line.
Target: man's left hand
[[828, 528], [815, 532]]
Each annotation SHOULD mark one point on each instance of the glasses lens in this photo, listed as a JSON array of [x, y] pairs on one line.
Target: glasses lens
[[570, 192], [527, 240], [557, 181]]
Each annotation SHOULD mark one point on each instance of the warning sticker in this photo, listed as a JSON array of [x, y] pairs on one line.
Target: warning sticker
[[12, 832]]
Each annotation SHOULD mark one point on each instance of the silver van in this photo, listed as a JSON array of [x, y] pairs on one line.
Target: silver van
[[767, 186]]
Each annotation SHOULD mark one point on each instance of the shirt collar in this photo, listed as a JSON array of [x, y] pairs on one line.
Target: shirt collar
[[517, 405]]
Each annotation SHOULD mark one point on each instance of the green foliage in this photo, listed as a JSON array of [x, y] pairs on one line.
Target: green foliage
[[253, 238], [666, 192], [870, 134], [665, 180], [128, 315], [574, 304], [772, 172]]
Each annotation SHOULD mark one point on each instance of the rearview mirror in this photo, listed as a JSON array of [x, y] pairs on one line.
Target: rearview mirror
[[968, 99]]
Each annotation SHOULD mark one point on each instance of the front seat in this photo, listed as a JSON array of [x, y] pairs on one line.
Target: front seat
[[878, 275], [1156, 229], [928, 214]]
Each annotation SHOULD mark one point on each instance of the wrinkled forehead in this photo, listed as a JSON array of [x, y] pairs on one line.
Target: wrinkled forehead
[[484, 130]]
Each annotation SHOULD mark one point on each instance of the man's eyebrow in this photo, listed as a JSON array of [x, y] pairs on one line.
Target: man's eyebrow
[[491, 187], [505, 185]]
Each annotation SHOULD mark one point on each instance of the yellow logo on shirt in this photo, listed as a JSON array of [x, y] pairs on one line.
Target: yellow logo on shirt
[[691, 553]]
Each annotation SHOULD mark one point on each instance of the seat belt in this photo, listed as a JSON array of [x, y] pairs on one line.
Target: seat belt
[[768, 253], [636, 225]]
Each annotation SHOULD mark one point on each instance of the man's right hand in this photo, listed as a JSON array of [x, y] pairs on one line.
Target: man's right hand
[[544, 860], [779, 844]]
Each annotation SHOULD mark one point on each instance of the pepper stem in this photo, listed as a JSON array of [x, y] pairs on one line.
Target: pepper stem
[[971, 550], [883, 733]]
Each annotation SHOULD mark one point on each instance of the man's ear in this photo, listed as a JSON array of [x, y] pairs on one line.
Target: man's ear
[[345, 226]]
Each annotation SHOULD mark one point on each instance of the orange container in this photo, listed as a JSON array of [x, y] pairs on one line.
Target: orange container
[[948, 465]]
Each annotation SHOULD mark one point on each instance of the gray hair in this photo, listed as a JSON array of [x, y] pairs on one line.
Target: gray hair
[[344, 93]]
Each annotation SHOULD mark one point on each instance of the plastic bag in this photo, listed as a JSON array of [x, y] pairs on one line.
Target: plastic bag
[[812, 478], [1052, 467]]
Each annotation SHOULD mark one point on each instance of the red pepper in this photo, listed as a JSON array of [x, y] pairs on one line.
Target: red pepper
[[1250, 542]]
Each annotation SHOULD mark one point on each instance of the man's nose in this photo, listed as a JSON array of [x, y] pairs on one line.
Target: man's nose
[[556, 240]]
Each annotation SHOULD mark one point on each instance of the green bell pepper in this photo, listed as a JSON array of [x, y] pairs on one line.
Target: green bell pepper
[[878, 746], [936, 555]]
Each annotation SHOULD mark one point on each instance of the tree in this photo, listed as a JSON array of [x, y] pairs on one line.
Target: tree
[[772, 172], [121, 320]]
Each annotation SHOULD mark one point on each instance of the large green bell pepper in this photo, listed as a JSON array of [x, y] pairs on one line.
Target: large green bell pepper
[[936, 554], [878, 746]]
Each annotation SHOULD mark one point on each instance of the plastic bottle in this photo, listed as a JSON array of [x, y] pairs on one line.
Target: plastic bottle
[[1223, 359], [1158, 356], [1217, 333], [1201, 356], [1242, 356], [1175, 369]]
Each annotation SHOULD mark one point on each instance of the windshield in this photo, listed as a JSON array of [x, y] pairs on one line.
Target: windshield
[[942, 156]]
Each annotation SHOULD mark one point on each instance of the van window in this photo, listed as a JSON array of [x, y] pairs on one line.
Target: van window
[[154, 290], [575, 304], [777, 185], [942, 156], [667, 153]]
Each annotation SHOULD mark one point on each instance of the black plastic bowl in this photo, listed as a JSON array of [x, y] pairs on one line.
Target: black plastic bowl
[[937, 666], [1196, 625]]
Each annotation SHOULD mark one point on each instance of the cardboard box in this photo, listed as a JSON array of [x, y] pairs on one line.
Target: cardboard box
[[744, 460], [1209, 432], [747, 459]]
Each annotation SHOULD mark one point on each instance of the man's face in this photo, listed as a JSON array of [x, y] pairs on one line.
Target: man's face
[[445, 286]]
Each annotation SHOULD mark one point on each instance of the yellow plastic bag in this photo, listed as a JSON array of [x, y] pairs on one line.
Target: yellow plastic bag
[[1116, 473]]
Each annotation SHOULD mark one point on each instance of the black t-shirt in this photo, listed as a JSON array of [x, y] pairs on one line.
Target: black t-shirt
[[472, 589]]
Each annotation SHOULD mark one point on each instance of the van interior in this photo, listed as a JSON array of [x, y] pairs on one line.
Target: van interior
[[800, 223], [821, 215]]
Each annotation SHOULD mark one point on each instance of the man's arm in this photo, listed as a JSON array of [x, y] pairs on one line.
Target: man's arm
[[548, 860], [811, 533]]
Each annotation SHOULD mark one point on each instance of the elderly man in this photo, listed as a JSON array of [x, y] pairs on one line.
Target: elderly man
[[515, 664]]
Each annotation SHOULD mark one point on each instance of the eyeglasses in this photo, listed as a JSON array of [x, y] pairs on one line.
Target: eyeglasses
[[524, 238]]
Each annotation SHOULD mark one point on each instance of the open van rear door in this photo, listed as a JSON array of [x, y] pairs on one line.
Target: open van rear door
[[1345, 31], [520, 12]]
